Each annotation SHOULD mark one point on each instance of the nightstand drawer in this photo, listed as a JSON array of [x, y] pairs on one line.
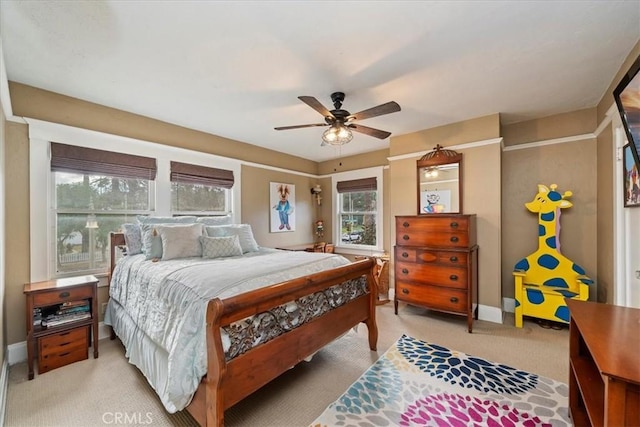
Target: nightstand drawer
[[59, 350], [69, 340], [61, 295]]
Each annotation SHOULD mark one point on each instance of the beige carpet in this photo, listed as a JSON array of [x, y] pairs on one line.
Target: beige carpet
[[97, 392]]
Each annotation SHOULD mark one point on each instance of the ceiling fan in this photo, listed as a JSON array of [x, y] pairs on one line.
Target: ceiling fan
[[341, 122]]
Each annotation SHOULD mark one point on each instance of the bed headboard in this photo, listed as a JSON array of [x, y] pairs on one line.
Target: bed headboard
[[116, 241]]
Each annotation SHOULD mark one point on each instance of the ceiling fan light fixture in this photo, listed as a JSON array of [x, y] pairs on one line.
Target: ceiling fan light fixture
[[337, 135]]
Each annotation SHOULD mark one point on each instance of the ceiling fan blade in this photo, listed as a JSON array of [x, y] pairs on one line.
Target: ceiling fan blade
[[376, 133], [387, 108], [316, 105], [300, 126]]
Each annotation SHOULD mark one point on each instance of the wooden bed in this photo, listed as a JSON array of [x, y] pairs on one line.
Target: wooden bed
[[228, 382]]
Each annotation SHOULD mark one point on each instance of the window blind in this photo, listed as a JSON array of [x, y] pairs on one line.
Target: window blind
[[364, 184], [193, 174], [71, 158]]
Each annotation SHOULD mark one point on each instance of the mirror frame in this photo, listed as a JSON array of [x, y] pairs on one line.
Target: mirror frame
[[440, 156]]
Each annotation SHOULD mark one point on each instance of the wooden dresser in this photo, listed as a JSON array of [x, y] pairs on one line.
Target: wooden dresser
[[604, 370], [436, 263]]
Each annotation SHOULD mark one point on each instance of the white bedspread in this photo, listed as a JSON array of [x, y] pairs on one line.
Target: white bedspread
[[167, 300]]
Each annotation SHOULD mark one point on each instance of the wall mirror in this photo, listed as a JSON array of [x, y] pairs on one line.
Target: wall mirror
[[440, 182]]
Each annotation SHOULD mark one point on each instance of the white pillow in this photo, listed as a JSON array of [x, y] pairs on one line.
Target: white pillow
[[243, 231], [180, 240], [220, 247], [215, 220]]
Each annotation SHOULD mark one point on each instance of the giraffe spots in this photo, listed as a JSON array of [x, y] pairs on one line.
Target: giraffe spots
[[548, 261], [549, 216], [554, 196], [557, 282], [541, 230], [551, 242], [523, 265], [562, 313], [577, 269], [535, 296]]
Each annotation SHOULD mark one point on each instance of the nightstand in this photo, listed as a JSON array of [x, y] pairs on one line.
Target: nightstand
[[60, 316]]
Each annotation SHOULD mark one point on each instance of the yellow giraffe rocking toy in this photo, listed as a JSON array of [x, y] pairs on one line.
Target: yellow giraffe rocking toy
[[546, 277]]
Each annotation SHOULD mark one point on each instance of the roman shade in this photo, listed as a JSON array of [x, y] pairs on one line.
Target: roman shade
[[193, 174], [71, 158], [364, 184]]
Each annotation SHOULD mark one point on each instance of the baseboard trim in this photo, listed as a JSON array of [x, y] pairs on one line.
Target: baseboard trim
[[509, 305], [17, 352], [489, 313], [4, 386]]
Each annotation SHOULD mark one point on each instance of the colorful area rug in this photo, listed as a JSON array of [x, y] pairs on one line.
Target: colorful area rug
[[419, 383]]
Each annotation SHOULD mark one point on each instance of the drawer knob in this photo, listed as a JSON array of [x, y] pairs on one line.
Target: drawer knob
[[64, 354], [405, 291], [405, 271], [453, 300], [405, 255], [64, 294], [454, 225], [454, 239], [453, 259], [405, 237], [405, 224], [453, 277]]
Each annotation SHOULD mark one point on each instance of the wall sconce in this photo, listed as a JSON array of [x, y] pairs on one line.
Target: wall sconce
[[316, 192]]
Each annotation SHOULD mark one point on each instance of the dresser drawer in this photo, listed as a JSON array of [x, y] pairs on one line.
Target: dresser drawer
[[61, 295], [451, 258], [59, 342], [432, 274], [432, 296], [446, 231], [62, 349], [452, 239]]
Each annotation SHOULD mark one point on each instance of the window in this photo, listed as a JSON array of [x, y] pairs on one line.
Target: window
[[358, 212], [95, 192], [200, 190]]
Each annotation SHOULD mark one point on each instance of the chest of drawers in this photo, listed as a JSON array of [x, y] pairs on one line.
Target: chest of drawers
[[436, 263]]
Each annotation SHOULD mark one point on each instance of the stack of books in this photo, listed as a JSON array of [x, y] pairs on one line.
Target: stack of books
[[70, 311]]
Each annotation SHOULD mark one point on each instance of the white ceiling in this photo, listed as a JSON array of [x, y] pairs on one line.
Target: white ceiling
[[235, 69]]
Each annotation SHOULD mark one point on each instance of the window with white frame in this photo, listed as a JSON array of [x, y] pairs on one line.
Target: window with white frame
[[95, 192], [358, 212], [200, 190]]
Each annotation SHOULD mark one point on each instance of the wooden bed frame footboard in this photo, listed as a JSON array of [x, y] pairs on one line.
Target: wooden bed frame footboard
[[228, 382]]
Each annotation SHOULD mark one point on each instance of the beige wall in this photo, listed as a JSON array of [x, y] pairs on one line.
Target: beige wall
[[607, 100], [17, 229], [3, 323], [572, 166], [480, 187], [257, 210]]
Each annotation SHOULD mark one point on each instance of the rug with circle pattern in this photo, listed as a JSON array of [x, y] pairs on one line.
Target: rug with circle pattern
[[416, 383]]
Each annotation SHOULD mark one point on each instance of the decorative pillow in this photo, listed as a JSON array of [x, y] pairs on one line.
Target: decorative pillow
[[151, 241], [215, 220], [243, 231], [220, 247], [180, 240], [133, 238], [144, 219]]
